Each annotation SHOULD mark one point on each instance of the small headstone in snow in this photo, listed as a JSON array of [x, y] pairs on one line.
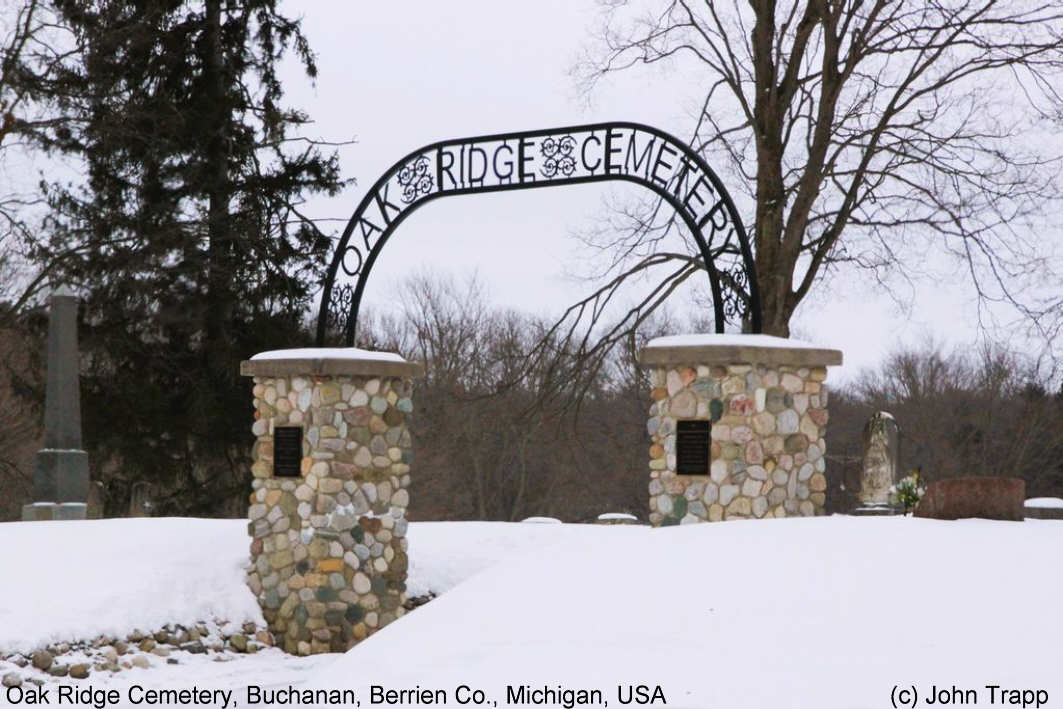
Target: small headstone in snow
[[140, 503], [617, 518], [1045, 502], [1044, 508]]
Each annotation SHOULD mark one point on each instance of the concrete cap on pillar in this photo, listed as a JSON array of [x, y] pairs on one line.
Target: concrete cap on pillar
[[736, 349], [329, 361]]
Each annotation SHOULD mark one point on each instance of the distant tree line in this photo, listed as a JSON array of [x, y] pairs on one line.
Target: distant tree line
[[979, 412], [490, 445], [495, 440]]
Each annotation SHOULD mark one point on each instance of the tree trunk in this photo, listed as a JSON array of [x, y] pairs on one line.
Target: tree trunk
[[775, 294], [220, 301], [774, 274]]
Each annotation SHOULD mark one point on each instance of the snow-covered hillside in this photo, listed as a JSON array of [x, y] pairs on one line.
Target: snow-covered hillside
[[826, 612], [64, 581]]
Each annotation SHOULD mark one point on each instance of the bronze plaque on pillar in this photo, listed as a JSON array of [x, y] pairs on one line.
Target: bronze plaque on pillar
[[287, 451], [692, 442]]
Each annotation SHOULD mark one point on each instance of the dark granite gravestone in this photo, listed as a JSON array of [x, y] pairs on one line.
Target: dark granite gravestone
[[61, 478]]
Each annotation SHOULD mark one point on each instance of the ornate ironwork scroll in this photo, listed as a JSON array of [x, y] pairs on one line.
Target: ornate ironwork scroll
[[559, 156]]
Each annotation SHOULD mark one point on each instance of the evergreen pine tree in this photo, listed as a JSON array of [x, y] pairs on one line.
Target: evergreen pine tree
[[186, 238]]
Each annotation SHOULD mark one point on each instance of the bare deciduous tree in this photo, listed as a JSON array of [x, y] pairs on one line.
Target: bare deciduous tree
[[863, 131], [32, 43], [496, 437], [27, 34]]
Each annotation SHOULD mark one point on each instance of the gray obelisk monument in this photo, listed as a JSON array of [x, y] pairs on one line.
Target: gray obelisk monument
[[61, 479]]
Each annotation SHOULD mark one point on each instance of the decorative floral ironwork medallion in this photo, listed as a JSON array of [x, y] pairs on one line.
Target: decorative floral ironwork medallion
[[415, 179], [557, 156]]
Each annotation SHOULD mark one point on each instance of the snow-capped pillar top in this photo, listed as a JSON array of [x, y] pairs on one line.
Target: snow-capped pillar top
[[329, 361], [736, 349]]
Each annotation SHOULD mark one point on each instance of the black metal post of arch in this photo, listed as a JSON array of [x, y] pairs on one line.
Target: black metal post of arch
[[569, 155]]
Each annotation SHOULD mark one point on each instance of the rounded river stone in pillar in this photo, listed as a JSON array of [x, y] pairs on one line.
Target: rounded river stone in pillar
[[331, 470], [737, 427]]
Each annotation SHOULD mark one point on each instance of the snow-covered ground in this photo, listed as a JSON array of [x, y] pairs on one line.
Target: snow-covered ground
[[64, 581], [443, 554], [828, 612]]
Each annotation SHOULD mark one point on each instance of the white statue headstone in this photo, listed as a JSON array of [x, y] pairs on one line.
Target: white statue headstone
[[880, 461]]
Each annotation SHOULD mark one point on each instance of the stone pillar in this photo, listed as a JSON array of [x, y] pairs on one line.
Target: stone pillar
[[879, 470], [61, 477], [331, 470], [737, 427]]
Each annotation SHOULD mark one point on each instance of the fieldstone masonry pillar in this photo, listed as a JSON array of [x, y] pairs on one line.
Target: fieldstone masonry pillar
[[331, 470], [737, 427]]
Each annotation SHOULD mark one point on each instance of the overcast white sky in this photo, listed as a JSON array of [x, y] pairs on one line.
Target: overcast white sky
[[398, 75]]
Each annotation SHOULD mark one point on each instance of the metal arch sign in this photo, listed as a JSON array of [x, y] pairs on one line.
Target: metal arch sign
[[510, 161]]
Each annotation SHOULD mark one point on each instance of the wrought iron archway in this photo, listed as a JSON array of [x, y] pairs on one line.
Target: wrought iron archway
[[557, 156]]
